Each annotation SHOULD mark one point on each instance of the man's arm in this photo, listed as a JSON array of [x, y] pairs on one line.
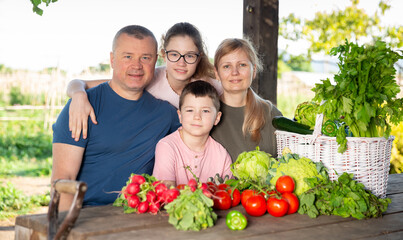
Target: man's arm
[[66, 164]]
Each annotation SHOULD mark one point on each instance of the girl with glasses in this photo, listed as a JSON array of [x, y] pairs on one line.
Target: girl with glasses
[[186, 59]]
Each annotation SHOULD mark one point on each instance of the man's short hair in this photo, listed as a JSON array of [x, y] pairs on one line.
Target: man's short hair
[[136, 31], [200, 88]]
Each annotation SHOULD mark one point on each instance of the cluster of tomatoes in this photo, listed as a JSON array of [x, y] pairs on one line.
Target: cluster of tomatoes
[[147, 196], [277, 203], [222, 195]]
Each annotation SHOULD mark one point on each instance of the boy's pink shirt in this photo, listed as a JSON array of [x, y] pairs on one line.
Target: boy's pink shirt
[[172, 155]]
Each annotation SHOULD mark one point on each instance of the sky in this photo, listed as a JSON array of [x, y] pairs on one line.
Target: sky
[[75, 34]]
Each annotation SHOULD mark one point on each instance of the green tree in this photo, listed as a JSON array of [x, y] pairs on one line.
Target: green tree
[[328, 30]]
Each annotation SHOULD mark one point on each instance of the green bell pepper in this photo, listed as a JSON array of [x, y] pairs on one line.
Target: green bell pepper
[[236, 220]]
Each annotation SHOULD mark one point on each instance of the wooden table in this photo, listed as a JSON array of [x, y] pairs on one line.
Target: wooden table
[[108, 222]]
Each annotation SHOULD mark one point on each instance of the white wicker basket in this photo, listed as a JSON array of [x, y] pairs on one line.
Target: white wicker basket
[[367, 158]]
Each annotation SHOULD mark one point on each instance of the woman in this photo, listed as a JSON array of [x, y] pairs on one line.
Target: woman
[[186, 58], [246, 117]]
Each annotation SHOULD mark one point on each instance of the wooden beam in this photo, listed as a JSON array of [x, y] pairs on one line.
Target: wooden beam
[[260, 25]]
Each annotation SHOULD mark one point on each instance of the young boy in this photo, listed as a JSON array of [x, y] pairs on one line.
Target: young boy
[[191, 146]]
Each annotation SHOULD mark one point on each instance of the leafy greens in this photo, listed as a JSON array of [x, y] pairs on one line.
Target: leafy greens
[[364, 97]]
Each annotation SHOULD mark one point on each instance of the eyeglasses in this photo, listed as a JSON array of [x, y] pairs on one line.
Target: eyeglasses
[[174, 56]]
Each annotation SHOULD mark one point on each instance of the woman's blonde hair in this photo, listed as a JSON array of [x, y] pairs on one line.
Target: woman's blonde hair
[[204, 67], [254, 115]]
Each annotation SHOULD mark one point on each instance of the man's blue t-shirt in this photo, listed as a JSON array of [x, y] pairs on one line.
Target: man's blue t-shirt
[[123, 141]]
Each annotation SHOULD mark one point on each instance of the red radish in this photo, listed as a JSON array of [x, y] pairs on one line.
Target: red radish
[[138, 179], [156, 183], [159, 199], [142, 207], [204, 186], [192, 182], [125, 193], [193, 188], [133, 201], [151, 196], [207, 193], [160, 189], [170, 195], [154, 208], [133, 188]]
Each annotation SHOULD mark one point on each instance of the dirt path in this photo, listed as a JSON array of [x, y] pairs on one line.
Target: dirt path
[[29, 186]]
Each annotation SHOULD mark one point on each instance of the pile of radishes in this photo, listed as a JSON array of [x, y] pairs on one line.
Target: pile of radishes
[[144, 193]]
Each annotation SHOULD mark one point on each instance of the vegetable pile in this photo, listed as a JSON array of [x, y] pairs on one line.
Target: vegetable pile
[[343, 197], [144, 193], [364, 97], [298, 168], [278, 187]]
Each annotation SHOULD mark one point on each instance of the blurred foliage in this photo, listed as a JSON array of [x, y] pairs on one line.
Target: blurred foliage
[[5, 70], [396, 161], [24, 140], [16, 97], [25, 148], [13, 202], [101, 68], [330, 29], [287, 103], [36, 3], [51, 70], [295, 62]]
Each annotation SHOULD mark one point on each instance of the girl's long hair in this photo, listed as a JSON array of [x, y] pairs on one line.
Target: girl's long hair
[[254, 115]]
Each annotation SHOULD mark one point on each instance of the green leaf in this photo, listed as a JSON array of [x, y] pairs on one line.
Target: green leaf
[[347, 104]]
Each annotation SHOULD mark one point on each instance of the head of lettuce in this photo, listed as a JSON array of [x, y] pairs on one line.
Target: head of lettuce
[[253, 165]]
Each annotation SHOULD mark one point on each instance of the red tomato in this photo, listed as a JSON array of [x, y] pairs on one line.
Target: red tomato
[[223, 186], [255, 206], [222, 200], [277, 207], [293, 202], [246, 194], [285, 184], [236, 197]]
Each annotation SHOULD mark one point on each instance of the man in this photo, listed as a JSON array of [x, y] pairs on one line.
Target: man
[[130, 123]]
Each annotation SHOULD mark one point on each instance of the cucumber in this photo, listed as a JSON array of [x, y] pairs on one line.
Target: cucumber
[[286, 124]]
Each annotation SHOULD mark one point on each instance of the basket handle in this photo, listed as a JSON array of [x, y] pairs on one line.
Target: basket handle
[[317, 131]]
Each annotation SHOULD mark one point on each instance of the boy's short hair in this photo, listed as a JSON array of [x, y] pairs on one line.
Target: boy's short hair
[[201, 88]]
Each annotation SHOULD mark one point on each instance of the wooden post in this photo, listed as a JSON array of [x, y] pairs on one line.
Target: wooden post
[[260, 25]]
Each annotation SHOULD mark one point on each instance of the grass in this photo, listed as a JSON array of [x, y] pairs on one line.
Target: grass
[[13, 202]]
